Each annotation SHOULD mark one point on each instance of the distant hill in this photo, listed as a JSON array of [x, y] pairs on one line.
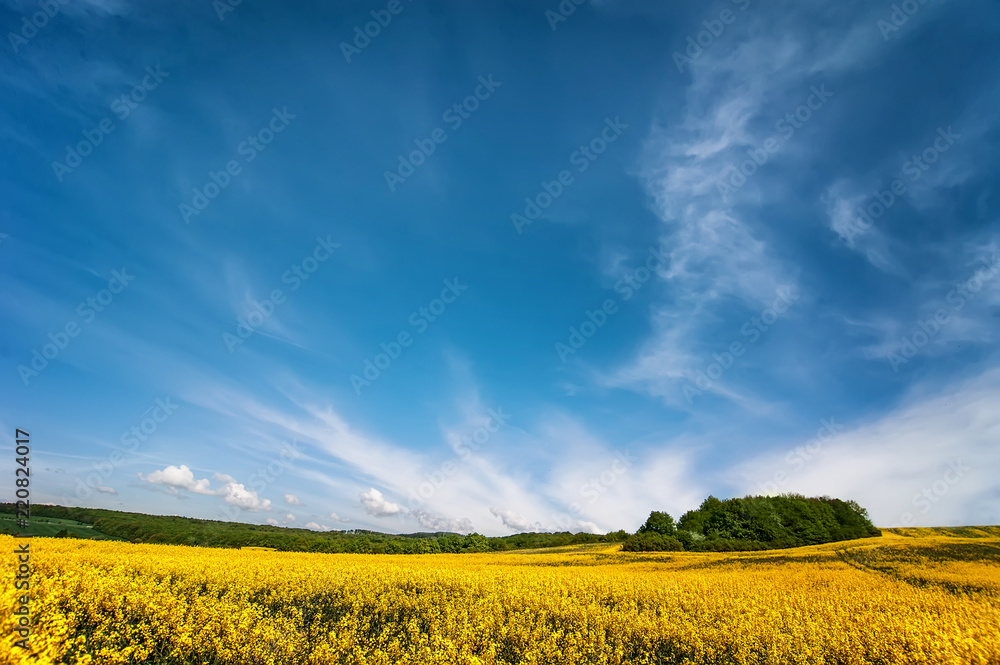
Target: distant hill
[[945, 531], [173, 530], [750, 523], [50, 527]]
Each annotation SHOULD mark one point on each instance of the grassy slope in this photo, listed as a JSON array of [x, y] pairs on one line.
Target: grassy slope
[[948, 531], [50, 526]]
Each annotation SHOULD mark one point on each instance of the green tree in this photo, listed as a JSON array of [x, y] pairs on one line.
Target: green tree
[[660, 523], [475, 542], [651, 542], [452, 543]]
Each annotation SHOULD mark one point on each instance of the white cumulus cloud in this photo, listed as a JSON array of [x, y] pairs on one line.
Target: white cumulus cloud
[[237, 495], [514, 520], [176, 478], [317, 527], [377, 505], [437, 522]]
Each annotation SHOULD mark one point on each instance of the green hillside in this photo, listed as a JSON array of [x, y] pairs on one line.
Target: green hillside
[[173, 530], [752, 523], [948, 531], [51, 527]]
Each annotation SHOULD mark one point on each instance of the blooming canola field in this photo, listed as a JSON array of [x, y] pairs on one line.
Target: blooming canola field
[[910, 596]]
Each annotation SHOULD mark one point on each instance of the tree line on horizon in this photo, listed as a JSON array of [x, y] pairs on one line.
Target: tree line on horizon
[[174, 530], [750, 523]]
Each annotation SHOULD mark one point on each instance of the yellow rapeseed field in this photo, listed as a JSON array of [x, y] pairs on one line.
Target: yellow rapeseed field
[[906, 597]]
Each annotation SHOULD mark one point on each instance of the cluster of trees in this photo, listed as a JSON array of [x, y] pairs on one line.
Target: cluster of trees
[[754, 523], [142, 528]]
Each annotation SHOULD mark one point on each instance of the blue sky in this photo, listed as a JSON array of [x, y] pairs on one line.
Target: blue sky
[[498, 268]]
